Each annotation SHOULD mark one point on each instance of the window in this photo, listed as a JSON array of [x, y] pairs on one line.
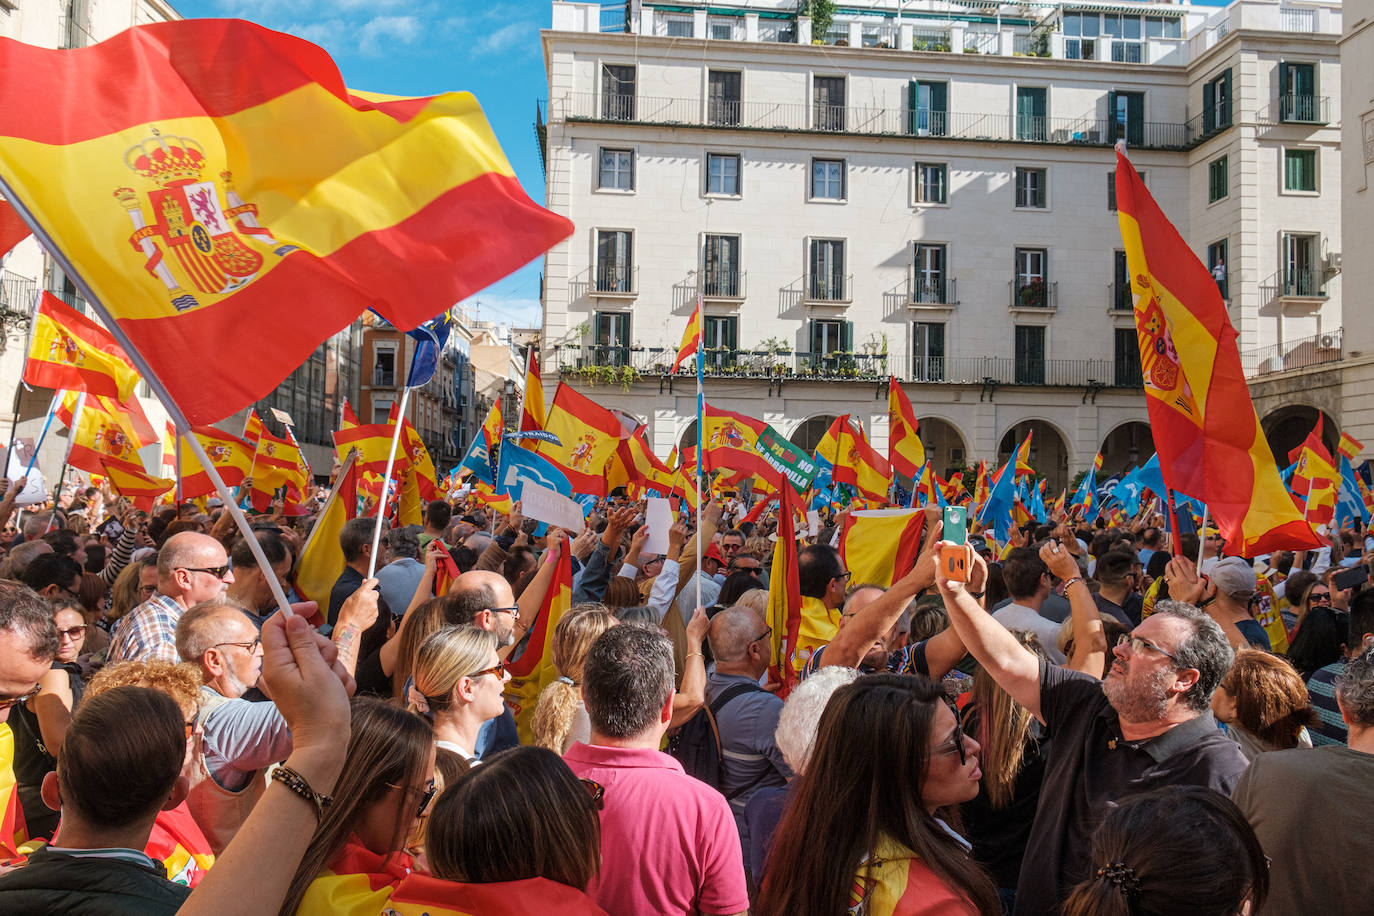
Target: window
[[1111, 187], [930, 182], [827, 179], [1031, 107], [1216, 103], [1302, 274], [722, 174], [720, 29], [1128, 47], [1217, 186], [1216, 264], [614, 261], [617, 92], [381, 410], [1126, 114], [678, 26], [1300, 170], [927, 351], [617, 172], [1030, 282], [1030, 354], [827, 95], [927, 108], [723, 97], [826, 279], [1298, 93], [1030, 188], [1127, 364], [722, 337], [1080, 35], [1121, 282], [720, 266], [612, 340], [384, 369], [830, 336], [929, 278]]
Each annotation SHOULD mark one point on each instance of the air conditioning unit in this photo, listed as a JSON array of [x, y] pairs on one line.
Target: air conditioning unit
[[1328, 342], [1332, 263]]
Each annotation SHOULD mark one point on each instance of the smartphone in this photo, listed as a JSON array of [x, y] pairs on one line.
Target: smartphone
[[111, 528], [954, 560], [1349, 578]]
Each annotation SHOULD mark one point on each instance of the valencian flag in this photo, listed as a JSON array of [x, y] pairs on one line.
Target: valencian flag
[[1209, 439], [104, 435], [534, 669], [533, 412], [691, 338], [784, 596], [231, 456], [137, 486], [69, 350], [879, 546], [588, 435], [233, 172], [905, 453], [854, 461]]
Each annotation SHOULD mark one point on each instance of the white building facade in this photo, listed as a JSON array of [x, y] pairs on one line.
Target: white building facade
[[875, 204]]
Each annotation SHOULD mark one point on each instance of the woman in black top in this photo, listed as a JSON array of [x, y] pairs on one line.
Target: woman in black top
[[40, 724]]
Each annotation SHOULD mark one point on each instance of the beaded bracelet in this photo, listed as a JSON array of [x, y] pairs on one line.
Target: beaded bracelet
[[1068, 582], [298, 784]]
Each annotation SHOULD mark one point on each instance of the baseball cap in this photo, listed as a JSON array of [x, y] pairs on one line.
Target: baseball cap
[[1234, 576]]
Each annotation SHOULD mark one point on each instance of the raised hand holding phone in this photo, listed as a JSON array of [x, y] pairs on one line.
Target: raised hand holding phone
[[954, 559]]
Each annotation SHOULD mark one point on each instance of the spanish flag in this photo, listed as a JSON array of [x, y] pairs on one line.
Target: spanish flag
[[69, 350], [880, 546], [1349, 446], [589, 435], [635, 462], [13, 833], [231, 456], [533, 413], [729, 441], [784, 597], [1023, 466], [232, 173], [347, 416], [905, 453], [534, 669], [1315, 478], [104, 435], [691, 338], [1209, 439], [253, 427], [855, 461], [372, 441], [138, 487], [180, 845], [418, 461]]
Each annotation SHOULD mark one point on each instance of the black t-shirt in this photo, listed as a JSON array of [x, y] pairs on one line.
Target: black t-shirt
[[1093, 766], [999, 835], [32, 760]]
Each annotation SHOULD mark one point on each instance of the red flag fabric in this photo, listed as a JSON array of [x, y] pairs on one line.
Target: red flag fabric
[[13, 230]]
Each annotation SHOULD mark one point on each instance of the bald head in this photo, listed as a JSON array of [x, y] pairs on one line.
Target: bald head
[[484, 599], [734, 633], [208, 624], [183, 564]]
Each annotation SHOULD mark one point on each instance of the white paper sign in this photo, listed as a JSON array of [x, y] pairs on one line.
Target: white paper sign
[[545, 505], [35, 488], [659, 517], [813, 521]]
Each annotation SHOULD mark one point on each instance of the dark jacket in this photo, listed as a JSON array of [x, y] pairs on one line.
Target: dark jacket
[[54, 883]]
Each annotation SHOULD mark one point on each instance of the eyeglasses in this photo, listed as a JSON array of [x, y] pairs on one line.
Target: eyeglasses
[[1139, 644], [513, 611], [748, 569], [842, 577], [75, 596], [767, 632], [147, 589], [252, 647], [190, 729], [426, 795], [596, 791], [219, 572], [76, 632], [957, 740], [498, 669], [6, 704], [1324, 597]]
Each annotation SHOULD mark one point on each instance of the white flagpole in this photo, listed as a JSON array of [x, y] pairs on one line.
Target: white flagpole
[[173, 409], [386, 482], [1202, 540], [701, 419]]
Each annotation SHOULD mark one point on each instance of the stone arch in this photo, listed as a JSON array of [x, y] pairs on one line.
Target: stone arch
[[688, 439], [1050, 450], [1286, 427], [1127, 445], [946, 446], [807, 434]]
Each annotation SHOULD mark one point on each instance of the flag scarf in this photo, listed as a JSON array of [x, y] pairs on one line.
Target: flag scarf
[[533, 413], [589, 434], [905, 453], [534, 669], [179, 844], [137, 486], [231, 456], [322, 559], [853, 460], [104, 435], [784, 596], [1203, 421], [691, 338], [230, 190], [879, 546], [71, 351]]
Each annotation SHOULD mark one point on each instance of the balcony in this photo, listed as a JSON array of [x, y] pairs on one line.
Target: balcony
[[1304, 109], [1033, 294], [606, 282], [383, 379], [618, 107], [1301, 287], [1302, 353], [1119, 298], [927, 291], [17, 293], [827, 289], [726, 284], [889, 122]]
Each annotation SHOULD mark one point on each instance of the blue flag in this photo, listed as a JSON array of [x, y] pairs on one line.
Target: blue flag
[[1349, 504], [520, 465], [430, 340], [478, 460], [998, 507], [1037, 505]]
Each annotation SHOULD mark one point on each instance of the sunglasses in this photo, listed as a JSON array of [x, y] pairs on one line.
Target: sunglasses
[[957, 740], [219, 572], [596, 791], [1321, 596], [76, 632], [6, 704], [498, 669], [427, 793]]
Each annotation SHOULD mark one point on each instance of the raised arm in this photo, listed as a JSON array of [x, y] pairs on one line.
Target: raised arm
[[1014, 668], [691, 693], [359, 611], [1089, 639], [532, 598]]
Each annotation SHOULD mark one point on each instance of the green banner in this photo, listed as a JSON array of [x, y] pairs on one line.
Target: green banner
[[796, 465]]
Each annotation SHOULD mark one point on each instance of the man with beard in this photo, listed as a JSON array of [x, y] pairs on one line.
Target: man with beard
[[485, 600], [1149, 724]]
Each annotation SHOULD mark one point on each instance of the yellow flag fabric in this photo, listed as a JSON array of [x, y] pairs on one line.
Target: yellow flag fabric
[[322, 559]]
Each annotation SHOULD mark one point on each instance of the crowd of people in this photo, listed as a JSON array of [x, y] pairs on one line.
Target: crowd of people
[[1090, 723]]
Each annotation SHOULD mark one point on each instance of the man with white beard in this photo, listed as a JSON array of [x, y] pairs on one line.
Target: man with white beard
[[1149, 724]]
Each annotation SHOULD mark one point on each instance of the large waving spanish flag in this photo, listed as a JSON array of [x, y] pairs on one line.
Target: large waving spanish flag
[[588, 435], [534, 669], [104, 435], [728, 441], [202, 173], [69, 350], [1205, 429]]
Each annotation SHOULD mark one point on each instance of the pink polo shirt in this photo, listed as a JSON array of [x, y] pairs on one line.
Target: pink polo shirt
[[668, 842]]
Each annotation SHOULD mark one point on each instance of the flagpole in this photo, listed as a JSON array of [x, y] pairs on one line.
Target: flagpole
[[19, 388], [173, 409], [701, 420], [1202, 541], [386, 481], [47, 424], [66, 457], [176, 441]]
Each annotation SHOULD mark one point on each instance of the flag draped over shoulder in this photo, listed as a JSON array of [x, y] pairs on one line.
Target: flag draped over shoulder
[[534, 669], [69, 350], [879, 546], [233, 172], [1209, 439], [13, 832], [905, 453]]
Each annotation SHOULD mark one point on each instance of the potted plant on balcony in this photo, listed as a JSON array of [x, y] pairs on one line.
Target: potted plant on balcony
[[776, 348], [1032, 295]]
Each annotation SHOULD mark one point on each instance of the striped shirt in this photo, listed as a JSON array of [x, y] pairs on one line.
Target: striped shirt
[[1321, 690]]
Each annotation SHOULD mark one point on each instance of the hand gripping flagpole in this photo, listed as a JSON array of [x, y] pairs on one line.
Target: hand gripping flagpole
[[386, 482], [174, 410]]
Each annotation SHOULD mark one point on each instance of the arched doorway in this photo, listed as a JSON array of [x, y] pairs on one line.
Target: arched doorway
[[688, 438], [1127, 446], [808, 433], [1287, 427], [1049, 452], [944, 444]]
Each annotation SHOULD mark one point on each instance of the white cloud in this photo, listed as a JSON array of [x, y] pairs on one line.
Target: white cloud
[[508, 38], [519, 311], [383, 32]]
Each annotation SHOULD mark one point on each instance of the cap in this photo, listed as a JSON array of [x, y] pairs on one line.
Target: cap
[[405, 539], [1234, 576], [713, 553]]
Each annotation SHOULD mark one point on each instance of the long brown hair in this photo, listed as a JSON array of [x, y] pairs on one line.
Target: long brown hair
[[386, 747], [429, 618], [1271, 700], [864, 783], [572, 637], [1003, 727]]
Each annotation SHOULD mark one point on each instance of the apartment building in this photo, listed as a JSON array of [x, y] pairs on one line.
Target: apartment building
[[925, 189]]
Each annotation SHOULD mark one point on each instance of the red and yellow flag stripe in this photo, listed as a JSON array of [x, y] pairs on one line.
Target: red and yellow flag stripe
[[71, 351]]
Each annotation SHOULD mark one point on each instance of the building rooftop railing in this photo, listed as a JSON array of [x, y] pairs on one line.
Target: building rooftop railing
[[1302, 353]]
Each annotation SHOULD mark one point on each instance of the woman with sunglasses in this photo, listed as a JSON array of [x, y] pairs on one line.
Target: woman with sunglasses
[[459, 681], [387, 783], [40, 723], [895, 739]]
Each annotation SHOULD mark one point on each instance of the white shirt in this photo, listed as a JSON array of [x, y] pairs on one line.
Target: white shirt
[[1019, 617]]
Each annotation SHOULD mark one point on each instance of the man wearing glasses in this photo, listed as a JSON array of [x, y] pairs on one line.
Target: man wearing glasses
[[28, 644], [191, 568], [1149, 724]]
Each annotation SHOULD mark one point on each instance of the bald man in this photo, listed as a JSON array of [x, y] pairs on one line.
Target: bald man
[[484, 599], [191, 568]]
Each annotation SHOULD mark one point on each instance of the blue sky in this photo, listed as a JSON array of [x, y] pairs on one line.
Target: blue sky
[[418, 47]]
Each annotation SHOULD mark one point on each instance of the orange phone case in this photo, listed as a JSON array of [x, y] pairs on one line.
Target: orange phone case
[[954, 562]]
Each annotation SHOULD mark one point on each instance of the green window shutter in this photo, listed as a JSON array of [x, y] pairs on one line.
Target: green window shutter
[[939, 107], [1284, 100], [913, 103], [1209, 108], [1111, 190], [847, 336], [1225, 114], [731, 333], [813, 332], [1112, 130]]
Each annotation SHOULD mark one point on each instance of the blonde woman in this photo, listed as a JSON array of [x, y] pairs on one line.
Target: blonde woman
[[559, 717], [459, 680]]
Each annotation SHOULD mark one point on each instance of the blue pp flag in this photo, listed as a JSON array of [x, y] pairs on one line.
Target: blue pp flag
[[430, 337], [478, 460], [998, 507], [1349, 505]]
